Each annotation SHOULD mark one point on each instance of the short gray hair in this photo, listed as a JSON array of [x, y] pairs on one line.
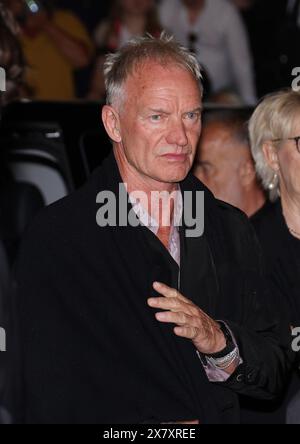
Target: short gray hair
[[119, 65], [234, 120], [273, 118]]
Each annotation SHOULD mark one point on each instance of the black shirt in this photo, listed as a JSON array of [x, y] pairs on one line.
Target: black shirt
[[282, 253]]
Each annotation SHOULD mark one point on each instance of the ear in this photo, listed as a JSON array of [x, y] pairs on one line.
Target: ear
[[111, 122], [271, 155], [247, 173]]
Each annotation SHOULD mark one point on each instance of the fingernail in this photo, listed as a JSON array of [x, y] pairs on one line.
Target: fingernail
[[156, 284], [160, 316], [152, 301]]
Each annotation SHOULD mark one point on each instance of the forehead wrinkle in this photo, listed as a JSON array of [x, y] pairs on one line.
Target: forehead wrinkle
[[162, 98], [141, 73]]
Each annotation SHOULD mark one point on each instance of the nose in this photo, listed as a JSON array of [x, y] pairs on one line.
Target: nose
[[177, 134]]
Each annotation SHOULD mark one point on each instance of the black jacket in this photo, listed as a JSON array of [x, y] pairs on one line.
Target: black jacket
[[92, 350], [282, 254]]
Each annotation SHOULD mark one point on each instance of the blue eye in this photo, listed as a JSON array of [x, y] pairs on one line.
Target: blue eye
[[155, 117], [192, 115]]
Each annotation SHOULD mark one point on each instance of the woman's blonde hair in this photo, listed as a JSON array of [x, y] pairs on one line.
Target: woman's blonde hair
[[273, 118]]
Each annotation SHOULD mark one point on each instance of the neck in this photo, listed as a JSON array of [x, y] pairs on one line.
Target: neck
[[291, 212], [253, 201], [144, 187]]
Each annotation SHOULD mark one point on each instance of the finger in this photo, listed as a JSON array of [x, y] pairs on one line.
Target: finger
[[173, 304], [171, 317], [187, 331], [169, 292], [165, 290]]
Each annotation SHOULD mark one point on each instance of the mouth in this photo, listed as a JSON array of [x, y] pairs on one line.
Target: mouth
[[175, 157]]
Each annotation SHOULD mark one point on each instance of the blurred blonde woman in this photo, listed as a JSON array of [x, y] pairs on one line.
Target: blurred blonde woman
[[274, 130], [275, 143]]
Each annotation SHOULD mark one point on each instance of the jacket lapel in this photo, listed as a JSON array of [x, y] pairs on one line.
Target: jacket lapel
[[199, 280]]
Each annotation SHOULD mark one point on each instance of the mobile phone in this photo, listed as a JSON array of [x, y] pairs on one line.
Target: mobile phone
[[34, 6]]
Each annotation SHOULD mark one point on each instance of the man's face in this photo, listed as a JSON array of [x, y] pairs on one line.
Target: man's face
[[160, 123], [218, 162]]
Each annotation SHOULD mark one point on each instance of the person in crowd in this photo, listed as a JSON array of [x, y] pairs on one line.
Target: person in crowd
[[128, 18], [127, 311], [11, 57], [214, 30], [55, 45], [90, 12], [274, 130], [224, 162]]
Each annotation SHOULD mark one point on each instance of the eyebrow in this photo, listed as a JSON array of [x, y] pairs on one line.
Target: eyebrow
[[159, 111], [198, 109], [162, 111]]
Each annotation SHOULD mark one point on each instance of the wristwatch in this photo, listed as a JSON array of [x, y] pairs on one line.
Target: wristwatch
[[230, 345]]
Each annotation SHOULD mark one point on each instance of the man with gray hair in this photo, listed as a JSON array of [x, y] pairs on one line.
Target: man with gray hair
[[128, 316]]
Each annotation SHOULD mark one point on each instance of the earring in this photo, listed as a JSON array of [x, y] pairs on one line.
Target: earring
[[274, 182]]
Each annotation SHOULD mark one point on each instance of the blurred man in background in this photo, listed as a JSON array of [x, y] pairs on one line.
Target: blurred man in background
[[224, 162]]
